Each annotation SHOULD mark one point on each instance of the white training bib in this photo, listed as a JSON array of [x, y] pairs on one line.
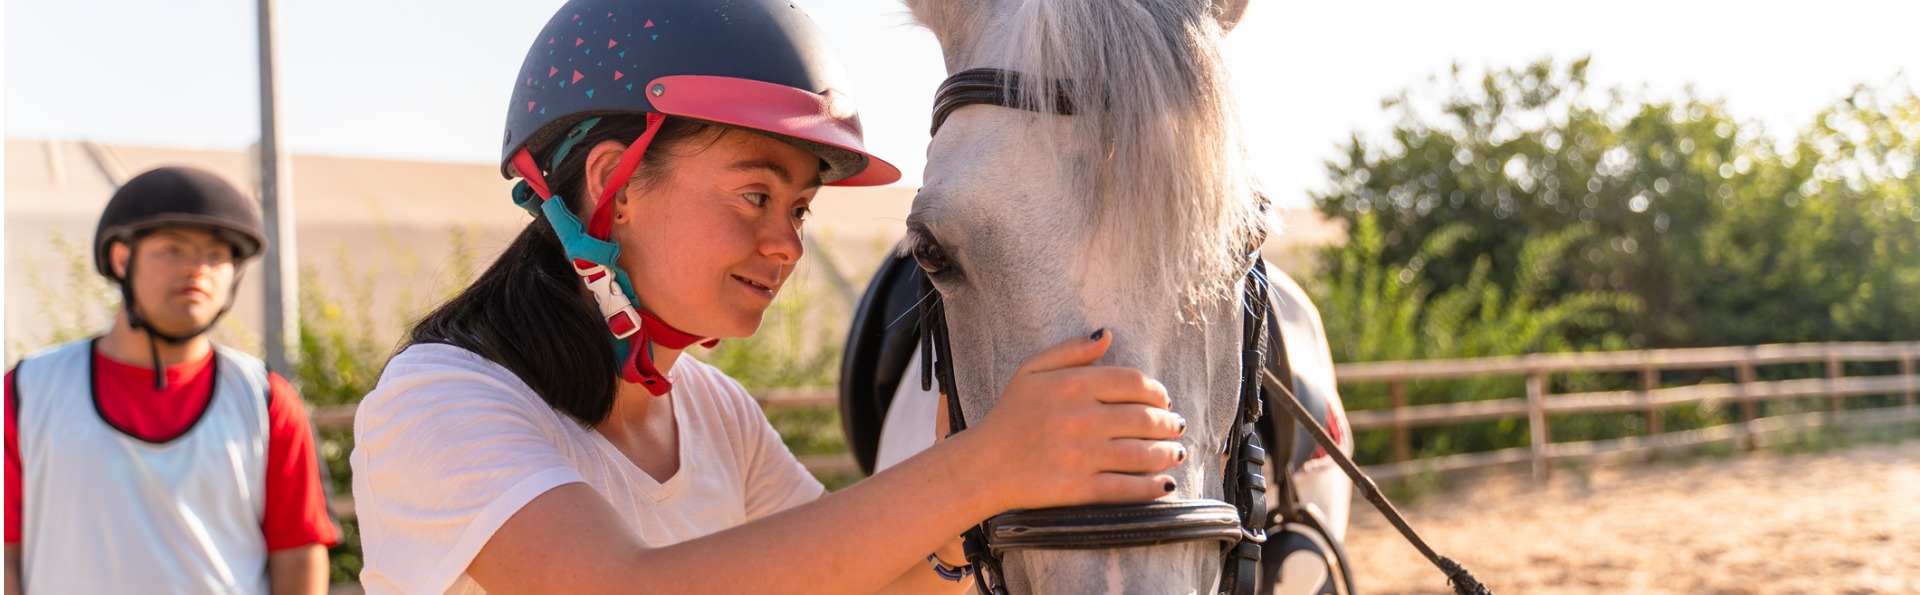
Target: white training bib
[[105, 512]]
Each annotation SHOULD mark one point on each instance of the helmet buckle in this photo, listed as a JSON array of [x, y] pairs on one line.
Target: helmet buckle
[[615, 308]]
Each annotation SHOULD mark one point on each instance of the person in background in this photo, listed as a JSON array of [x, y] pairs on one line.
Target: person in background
[[149, 459]]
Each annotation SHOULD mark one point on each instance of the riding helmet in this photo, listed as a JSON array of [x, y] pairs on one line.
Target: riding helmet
[[756, 64], [183, 197]]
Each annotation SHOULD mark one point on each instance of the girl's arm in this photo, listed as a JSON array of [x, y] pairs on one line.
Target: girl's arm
[[1063, 433]]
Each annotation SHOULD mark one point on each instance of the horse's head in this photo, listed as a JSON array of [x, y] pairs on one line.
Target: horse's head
[[1111, 194]]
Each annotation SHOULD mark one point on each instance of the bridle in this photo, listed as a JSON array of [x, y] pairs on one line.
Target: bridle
[[1239, 526]]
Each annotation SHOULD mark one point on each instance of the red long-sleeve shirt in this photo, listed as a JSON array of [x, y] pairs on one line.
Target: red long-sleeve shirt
[[296, 513]]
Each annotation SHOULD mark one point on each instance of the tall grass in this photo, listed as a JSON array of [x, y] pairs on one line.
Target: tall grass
[[1376, 310]]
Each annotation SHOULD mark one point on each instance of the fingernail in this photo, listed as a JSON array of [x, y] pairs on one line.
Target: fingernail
[[1098, 334], [1183, 426], [1182, 455], [1169, 486]]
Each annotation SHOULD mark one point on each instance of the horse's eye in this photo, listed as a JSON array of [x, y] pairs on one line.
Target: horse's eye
[[931, 257]]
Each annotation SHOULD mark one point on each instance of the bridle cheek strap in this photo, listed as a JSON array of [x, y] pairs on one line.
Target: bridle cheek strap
[[595, 258]]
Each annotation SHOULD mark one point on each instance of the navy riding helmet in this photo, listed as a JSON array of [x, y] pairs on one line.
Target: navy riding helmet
[[760, 65]]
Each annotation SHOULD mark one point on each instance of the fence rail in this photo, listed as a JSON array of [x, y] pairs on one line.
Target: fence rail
[[1537, 405]]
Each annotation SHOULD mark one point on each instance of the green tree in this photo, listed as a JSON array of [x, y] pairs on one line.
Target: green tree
[[1721, 237]]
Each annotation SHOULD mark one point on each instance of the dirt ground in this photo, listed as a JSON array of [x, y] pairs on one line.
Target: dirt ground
[[1837, 521]]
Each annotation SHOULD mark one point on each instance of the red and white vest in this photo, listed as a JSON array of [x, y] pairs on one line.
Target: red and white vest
[[105, 512]]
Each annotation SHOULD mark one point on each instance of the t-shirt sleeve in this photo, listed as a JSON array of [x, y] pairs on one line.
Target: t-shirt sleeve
[[13, 465], [445, 451], [775, 479], [296, 501]]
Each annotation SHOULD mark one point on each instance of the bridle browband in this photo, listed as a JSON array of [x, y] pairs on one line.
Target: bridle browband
[[1239, 526], [991, 86]]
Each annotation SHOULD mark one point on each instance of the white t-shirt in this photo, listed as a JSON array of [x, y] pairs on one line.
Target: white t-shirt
[[450, 445]]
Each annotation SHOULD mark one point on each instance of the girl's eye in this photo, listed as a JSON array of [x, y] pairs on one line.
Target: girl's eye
[[801, 213], [759, 199]]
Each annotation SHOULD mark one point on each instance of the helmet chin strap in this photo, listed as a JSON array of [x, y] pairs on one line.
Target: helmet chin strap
[[595, 259], [138, 322]]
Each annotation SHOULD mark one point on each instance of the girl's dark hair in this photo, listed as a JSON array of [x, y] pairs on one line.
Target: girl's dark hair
[[528, 312]]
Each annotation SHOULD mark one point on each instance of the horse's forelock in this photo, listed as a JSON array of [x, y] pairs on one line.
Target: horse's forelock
[[1160, 155]]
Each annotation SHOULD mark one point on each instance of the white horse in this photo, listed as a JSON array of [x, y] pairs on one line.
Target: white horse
[[1133, 213]]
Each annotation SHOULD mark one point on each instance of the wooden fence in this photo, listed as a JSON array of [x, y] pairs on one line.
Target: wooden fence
[[1537, 404]]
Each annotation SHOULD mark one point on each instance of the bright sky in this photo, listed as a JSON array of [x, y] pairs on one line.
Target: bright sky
[[428, 79]]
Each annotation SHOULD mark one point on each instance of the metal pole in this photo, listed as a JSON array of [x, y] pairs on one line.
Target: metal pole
[[280, 269]]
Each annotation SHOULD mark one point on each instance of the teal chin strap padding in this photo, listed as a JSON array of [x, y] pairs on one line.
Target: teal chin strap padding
[[573, 137], [580, 246]]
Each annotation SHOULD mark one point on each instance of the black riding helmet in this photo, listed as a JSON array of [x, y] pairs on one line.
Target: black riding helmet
[[756, 64], [174, 197], [178, 197]]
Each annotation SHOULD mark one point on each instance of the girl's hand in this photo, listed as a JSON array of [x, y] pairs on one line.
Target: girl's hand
[[1065, 432]]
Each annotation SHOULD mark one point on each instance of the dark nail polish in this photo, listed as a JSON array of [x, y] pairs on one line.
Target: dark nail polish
[[1183, 426], [1098, 334], [1182, 455], [1169, 486]]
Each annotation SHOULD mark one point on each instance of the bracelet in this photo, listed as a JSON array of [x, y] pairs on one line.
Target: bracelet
[[951, 573]]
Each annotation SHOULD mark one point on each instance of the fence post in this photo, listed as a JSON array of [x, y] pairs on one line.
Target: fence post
[[1906, 369], [1649, 382], [1537, 422], [1836, 406], [1748, 408], [1397, 401]]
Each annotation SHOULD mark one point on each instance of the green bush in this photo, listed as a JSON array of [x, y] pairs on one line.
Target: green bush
[[1384, 310]]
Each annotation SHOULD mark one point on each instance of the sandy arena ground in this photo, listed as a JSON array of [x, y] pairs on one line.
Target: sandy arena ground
[[1841, 521]]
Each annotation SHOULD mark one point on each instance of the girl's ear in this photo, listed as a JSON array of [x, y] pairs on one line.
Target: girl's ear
[[601, 161]]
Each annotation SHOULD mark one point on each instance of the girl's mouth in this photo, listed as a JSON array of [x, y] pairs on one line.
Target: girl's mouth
[[756, 286]]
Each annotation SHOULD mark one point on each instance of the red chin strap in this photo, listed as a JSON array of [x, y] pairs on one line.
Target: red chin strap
[[638, 367]]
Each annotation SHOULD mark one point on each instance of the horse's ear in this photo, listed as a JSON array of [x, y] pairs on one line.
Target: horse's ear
[[1228, 13]]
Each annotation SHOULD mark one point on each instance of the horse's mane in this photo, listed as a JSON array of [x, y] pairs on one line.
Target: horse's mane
[[1160, 155]]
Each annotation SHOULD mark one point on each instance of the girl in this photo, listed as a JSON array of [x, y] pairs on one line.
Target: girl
[[543, 432]]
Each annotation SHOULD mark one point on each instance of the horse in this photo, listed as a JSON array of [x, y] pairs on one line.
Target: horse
[[1086, 171]]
